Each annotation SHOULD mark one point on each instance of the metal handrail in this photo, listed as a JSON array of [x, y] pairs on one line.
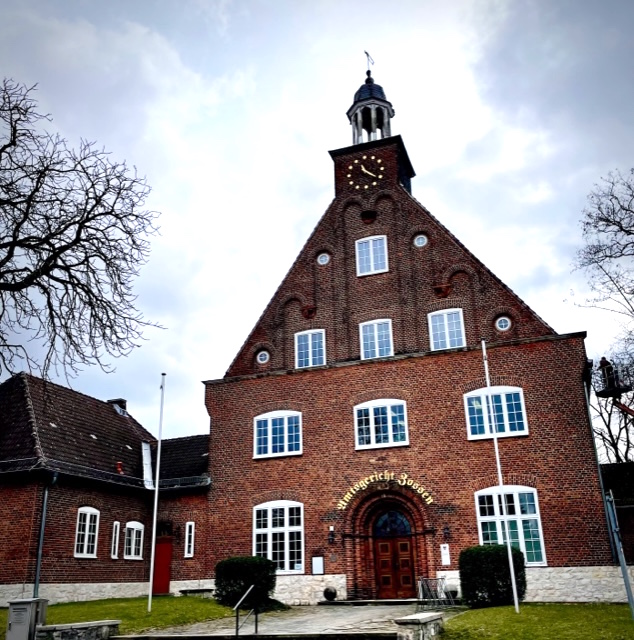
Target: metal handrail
[[237, 610]]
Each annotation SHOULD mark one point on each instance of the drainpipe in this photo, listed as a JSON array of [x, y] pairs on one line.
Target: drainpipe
[[40, 544]]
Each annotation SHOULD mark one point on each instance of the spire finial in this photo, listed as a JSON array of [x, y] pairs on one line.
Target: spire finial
[[370, 61]]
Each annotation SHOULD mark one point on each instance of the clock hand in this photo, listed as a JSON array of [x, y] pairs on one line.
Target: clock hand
[[367, 172]]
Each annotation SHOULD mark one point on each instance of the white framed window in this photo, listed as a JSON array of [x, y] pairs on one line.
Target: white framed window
[[376, 339], [371, 255], [114, 546], [278, 534], [277, 433], [133, 546], [310, 348], [522, 516], [505, 410], [86, 532], [446, 329], [190, 528], [380, 423]]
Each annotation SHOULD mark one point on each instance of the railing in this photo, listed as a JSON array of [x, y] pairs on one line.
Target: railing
[[237, 610]]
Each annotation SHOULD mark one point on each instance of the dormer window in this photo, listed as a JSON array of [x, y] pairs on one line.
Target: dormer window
[[371, 255]]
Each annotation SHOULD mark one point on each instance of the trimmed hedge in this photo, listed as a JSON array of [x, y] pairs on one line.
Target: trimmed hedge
[[485, 579], [235, 575]]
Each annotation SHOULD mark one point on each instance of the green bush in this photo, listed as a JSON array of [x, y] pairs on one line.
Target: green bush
[[235, 575], [485, 579]]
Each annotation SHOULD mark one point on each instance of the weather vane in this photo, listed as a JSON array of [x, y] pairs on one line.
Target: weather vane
[[369, 57]]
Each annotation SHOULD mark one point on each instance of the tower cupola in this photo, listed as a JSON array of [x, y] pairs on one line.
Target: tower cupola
[[370, 112]]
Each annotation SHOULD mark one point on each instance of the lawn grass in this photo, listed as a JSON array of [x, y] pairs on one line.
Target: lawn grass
[[166, 612], [544, 622]]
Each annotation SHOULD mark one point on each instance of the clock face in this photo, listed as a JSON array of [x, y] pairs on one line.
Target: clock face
[[365, 172]]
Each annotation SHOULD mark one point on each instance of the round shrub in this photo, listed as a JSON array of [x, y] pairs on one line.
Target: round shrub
[[235, 575], [485, 579]]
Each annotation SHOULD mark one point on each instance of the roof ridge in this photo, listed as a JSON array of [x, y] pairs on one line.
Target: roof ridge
[[39, 452]]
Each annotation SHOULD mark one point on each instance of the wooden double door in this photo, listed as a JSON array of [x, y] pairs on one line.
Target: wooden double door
[[394, 557]]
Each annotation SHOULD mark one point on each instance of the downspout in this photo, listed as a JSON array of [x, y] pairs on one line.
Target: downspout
[[40, 543]]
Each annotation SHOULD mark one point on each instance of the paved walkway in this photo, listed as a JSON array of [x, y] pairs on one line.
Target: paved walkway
[[306, 619]]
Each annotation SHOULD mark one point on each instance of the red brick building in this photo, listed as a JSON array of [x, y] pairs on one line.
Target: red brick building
[[348, 439]]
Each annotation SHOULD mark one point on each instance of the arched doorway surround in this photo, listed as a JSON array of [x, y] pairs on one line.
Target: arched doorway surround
[[386, 544]]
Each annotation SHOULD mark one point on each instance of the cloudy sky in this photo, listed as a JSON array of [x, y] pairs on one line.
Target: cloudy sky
[[510, 111]]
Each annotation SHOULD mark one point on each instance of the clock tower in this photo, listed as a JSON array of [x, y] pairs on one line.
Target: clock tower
[[376, 160]]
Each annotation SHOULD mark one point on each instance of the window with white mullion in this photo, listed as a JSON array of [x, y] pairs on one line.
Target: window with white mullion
[[278, 533], [86, 533], [278, 433], [310, 348], [376, 339], [133, 544], [520, 515], [381, 423], [190, 528], [114, 547], [446, 329], [505, 413], [371, 255]]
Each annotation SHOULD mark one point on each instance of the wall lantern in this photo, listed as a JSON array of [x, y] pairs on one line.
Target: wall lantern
[[446, 532], [331, 535]]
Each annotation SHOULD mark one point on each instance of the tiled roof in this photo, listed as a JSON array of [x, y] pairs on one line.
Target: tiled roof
[[183, 460], [48, 426]]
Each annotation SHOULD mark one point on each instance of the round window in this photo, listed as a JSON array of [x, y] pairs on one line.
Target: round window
[[323, 258], [420, 240], [503, 323], [263, 357]]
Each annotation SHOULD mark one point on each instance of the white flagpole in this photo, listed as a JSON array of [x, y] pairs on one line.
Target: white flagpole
[[156, 495], [502, 500]]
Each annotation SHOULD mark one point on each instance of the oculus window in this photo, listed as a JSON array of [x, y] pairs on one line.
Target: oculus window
[[376, 339], [522, 516], [277, 433], [380, 423], [278, 534], [505, 412], [371, 255], [446, 329]]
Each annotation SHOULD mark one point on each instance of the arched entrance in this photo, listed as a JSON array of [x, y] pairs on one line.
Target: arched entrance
[[393, 555]]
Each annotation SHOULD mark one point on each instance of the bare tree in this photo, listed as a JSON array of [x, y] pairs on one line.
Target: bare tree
[[73, 236], [608, 231], [613, 427]]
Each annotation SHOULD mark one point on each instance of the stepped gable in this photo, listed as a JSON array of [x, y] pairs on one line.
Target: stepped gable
[[331, 296], [70, 432]]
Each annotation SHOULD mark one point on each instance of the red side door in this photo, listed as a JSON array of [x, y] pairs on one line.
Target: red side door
[[162, 566]]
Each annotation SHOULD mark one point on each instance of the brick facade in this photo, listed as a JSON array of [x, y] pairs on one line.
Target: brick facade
[[444, 467]]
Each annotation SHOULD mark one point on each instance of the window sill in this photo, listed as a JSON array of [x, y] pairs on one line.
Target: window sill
[[372, 273], [277, 455], [85, 556], [284, 572], [513, 434], [388, 445], [132, 558]]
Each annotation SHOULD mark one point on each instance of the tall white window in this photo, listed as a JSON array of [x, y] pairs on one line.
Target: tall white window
[[86, 533], [278, 534], [505, 412], [446, 329], [381, 423], [376, 339], [114, 547], [133, 547], [310, 348], [371, 255], [189, 539], [522, 515], [277, 433]]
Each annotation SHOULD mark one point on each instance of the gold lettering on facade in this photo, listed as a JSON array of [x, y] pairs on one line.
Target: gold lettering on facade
[[384, 476]]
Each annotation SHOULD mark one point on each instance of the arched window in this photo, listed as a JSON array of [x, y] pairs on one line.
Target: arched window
[[392, 524], [381, 423], [278, 534], [277, 433], [521, 513], [506, 412], [86, 532], [133, 547]]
